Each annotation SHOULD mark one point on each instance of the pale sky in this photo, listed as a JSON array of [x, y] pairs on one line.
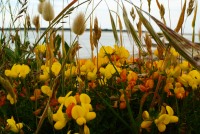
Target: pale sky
[[101, 12]]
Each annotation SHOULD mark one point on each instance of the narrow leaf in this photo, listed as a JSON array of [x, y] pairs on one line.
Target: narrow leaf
[[132, 31], [114, 29], [148, 26], [179, 43]]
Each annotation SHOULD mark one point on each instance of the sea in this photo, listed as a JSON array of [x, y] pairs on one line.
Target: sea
[[107, 39]]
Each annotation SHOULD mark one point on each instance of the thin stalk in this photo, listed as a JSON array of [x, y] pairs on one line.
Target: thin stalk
[[113, 111]]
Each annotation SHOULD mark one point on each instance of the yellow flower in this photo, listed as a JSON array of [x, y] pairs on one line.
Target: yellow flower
[[40, 48], [104, 50], [122, 53], [56, 68], [108, 71], [91, 76], [24, 71], [18, 70], [174, 72], [195, 75], [173, 52], [162, 121], [11, 99], [69, 100], [185, 65], [13, 126], [46, 90], [147, 121], [184, 79], [61, 100], [165, 119], [159, 65], [132, 76], [45, 75], [170, 111], [15, 70], [70, 72], [60, 119], [179, 91], [78, 113]]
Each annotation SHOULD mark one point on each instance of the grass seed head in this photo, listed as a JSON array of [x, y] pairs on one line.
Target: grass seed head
[[79, 26], [40, 7], [36, 22], [47, 11]]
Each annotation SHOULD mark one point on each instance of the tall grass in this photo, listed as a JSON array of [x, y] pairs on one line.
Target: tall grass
[[46, 86]]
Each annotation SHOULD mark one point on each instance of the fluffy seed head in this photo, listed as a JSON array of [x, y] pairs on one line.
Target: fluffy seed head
[[36, 22], [47, 11], [40, 6], [79, 26]]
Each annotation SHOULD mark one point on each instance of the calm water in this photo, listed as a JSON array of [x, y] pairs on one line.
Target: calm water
[[107, 38]]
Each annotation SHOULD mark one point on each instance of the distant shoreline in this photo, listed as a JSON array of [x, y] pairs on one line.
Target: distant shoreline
[[68, 29]]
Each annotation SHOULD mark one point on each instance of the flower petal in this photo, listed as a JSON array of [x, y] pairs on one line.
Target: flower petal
[[170, 111], [80, 121]]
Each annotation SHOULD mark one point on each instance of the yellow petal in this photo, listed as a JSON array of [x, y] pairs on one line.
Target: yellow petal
[[90, 116], [145, 115], [70, 100], [7, 73], [80, 121], [56, 68], [161, 127], [163, 110], [170, 111], [86, 129], [77, 111], [59, 115], [84, 98], [59, 125], [46, 90], [61, 100], [164, 118], [146, 124], [24, 71], [173, 119]]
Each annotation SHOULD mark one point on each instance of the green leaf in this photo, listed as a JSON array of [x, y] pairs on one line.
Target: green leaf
[[57, 43], [9, 54]]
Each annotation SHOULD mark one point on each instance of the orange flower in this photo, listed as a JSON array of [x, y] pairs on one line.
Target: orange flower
[[147, 86], [37, 93], [179, 91]]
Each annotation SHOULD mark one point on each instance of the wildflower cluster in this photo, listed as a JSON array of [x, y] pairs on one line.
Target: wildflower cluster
[[77, 107]]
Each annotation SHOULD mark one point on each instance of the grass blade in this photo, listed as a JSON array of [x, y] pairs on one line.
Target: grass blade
[[114, 29], [132, 31], [150, 29], [179, 43]]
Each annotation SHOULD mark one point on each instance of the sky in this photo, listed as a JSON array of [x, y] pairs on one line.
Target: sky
[[172, 12]]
